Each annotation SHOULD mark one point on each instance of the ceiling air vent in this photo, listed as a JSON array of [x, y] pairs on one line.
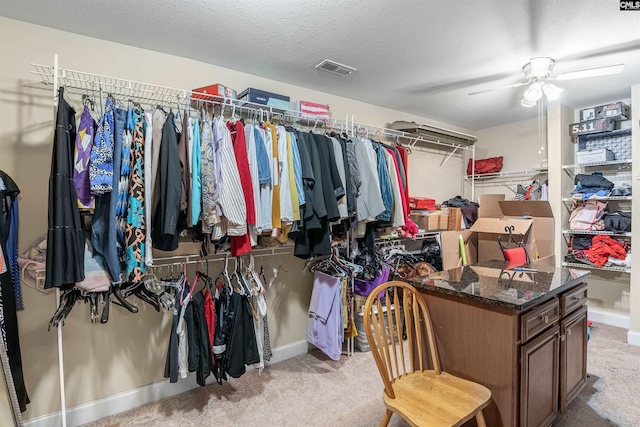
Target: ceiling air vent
[[335, 68]]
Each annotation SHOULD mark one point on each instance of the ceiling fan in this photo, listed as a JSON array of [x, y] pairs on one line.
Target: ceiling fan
[[538, 74]]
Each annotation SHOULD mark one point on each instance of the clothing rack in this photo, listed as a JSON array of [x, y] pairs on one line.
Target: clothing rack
[[98, 86]]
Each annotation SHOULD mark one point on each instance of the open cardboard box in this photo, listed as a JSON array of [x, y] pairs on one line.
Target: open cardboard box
[[533, 219]]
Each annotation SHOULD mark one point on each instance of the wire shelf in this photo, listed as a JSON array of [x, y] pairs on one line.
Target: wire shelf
[[602, 199], [83, 83], [622, 164], [596, 232], [509, 174], [594, 267]]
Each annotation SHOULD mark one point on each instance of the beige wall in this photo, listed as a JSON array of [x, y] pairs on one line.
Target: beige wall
[[519, 144], [129, 352]]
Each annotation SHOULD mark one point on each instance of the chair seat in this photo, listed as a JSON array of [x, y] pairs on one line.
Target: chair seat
[[428, 399]]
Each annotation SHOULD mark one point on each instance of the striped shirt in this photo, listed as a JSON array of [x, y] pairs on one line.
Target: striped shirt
[[231, 201]]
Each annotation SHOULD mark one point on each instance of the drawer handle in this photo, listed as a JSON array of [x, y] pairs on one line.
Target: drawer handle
[[545, 319], [568, 331], [577, 298], [562, 337]]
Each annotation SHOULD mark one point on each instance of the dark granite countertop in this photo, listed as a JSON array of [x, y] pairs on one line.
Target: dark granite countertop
[[494, 282]]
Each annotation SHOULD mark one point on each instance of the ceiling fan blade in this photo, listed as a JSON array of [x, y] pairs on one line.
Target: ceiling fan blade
[[499, 88], [591, 72]]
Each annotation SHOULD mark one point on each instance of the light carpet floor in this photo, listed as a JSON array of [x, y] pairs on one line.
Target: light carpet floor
[[311, 390]]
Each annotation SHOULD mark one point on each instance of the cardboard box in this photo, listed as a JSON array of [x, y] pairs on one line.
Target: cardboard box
[[454, 217], [429, 220], [617, 111], [443, 222], [263, 97], [533, 219]]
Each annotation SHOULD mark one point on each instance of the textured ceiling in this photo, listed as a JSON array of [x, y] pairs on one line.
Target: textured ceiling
[[422, 57]]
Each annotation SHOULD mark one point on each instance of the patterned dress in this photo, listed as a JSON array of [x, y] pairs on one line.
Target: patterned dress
[[135, 220], [210, 193]]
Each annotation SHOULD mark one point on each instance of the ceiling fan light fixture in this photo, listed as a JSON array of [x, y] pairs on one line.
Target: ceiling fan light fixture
[[541, 67], [551, 91], [534, 92], [525, 103]]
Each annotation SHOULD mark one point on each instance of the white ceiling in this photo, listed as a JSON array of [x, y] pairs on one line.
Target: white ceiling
[[422, 57]]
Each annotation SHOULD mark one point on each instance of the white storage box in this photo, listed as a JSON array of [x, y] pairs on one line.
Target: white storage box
[[595, 155]]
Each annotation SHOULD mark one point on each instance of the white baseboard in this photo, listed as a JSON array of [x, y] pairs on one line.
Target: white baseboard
[[91, 411], [633, 338], [608, 318]]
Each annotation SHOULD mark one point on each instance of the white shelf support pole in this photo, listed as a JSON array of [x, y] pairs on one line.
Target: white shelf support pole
[[63, 403]]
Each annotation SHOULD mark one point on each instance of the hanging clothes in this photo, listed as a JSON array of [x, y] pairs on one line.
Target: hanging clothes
[[337, 152], [101, 160], [286, 207], [324, 328], [10, 295], [159, 119], [242, 349], [65, 238], [136, 228], [293, 191], [165, 231], [272, 142], [196, 174], [231, 201], [148, 186], [385, 185], [84, 141], [123, 188], [369, 199], [209, 174], [241, 245], [266, 185], [183, 155], [252, 157], [104, 233]]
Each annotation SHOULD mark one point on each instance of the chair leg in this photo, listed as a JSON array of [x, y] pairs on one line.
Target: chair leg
[[385, 418], [480, 419]]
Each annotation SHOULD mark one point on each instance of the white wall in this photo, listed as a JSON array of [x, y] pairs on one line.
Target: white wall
[[521, 148], [129, 352], [634, 332]]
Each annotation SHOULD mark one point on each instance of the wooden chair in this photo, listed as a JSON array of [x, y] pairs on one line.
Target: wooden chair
[[422, 397]]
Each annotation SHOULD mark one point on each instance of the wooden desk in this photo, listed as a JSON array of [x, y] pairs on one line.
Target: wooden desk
[[522, 335]]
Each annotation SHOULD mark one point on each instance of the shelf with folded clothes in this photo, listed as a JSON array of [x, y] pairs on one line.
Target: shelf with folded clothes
[[595, 267], [525, 173], [597, 232]]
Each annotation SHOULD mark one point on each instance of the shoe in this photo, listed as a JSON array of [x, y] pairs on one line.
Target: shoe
[[625, 189], [616, 192]]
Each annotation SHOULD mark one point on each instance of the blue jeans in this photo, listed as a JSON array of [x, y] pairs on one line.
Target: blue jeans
[[103, 228]]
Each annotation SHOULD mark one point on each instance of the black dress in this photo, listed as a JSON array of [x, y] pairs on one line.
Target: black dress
[[8, 319], [65, 237]]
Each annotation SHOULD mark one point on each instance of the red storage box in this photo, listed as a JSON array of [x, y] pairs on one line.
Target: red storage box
[[215, 92], [422, 203]]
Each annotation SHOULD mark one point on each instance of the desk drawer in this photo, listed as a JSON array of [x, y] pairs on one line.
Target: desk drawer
[[539, 319], [573, 299]]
